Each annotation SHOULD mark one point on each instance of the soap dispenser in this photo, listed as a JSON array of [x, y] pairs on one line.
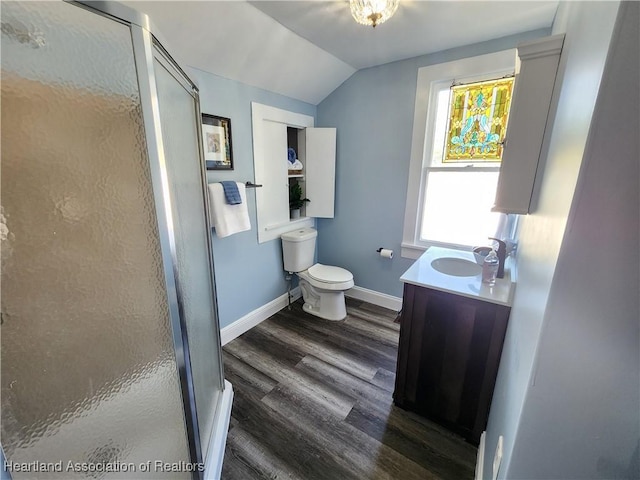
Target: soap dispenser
[[490, 268]]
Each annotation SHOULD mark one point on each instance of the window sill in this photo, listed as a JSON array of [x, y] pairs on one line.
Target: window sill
[[412, 250], [409, 250]]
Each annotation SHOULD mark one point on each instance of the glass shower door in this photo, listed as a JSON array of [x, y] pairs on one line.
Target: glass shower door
[[92, 385]]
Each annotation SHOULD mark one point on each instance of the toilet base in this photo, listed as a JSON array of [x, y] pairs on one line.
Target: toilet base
[[328, 304]]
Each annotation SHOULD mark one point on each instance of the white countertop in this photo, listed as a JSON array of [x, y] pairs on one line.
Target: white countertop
[[422, 274]]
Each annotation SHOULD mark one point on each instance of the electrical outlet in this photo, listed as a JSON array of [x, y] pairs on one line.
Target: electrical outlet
[[497, 458]]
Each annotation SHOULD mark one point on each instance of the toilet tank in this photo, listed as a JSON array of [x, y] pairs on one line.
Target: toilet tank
[[298, 249]]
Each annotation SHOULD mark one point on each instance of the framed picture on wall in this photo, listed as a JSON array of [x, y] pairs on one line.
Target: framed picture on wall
[[216, 139]]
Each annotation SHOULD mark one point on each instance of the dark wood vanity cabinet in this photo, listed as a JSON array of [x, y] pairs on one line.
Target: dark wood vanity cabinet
[[448, 358]]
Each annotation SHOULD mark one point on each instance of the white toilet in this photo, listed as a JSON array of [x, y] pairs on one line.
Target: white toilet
[[322, 286]]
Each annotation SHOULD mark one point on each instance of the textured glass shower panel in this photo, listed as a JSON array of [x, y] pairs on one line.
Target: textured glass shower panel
[[179, 135], [88, 367]]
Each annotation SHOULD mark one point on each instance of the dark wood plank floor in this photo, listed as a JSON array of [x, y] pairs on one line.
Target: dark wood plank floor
[[313, 401]]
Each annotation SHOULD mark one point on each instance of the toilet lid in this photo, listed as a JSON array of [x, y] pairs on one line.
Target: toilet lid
[[329, 274]]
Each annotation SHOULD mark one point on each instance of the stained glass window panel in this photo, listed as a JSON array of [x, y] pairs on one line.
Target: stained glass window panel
[[478, 115]]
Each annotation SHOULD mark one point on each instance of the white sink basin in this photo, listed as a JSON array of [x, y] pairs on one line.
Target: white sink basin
[[456, 267]]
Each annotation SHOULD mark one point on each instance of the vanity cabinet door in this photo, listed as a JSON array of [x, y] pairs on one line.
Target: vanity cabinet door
[[448, 358]]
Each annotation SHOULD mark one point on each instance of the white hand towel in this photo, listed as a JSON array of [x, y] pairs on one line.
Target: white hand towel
[[228, 219], [297, 165]]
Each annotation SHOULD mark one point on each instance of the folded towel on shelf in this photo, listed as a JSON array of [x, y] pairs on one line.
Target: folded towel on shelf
[[231, 193], [297, 165], [228, 219]]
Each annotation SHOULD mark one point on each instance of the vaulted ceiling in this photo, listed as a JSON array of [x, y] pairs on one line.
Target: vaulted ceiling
[[305, 49]]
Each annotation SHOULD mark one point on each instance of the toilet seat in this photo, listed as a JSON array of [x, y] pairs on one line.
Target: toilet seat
[[328, 272]]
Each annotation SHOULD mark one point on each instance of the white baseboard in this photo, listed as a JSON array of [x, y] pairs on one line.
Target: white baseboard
[[215, 452], [260, 314], [376, 298], [257, 316], [480, 457]]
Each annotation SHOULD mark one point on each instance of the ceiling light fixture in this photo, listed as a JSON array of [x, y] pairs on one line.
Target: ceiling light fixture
[[373, 12]]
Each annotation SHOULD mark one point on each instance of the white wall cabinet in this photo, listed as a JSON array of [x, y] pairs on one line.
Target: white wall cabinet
[[274, 130], [536, 68]]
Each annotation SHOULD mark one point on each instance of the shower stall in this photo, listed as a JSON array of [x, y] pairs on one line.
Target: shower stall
[[110, 347]]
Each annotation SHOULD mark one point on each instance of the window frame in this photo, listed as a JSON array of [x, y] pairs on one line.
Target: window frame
[[431, 80]]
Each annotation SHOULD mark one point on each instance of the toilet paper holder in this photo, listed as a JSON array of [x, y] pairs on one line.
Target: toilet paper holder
[[385, 252]]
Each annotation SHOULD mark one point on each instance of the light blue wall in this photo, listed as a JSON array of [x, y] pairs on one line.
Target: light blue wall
[[248, 274], [373, 112]]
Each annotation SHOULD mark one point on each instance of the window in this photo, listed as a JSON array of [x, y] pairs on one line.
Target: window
[[462, 171], [456, 153]]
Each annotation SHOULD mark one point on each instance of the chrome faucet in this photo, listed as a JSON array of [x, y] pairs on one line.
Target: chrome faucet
[[502, 255]]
